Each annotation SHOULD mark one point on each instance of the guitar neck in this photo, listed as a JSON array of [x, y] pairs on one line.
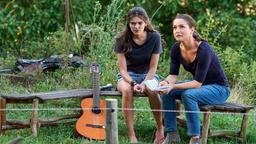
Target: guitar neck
[[96, 89]]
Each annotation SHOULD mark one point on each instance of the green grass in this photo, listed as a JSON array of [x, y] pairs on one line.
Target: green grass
[[64, 134]]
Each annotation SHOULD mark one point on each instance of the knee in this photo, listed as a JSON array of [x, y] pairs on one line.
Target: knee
[[125, 90], [167, 100], [150, 94], [165, 97], [188, 95], [126, 93]]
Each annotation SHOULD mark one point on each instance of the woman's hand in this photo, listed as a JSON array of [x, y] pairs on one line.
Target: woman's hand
[[139, 88], [165, 91], [163, 83]]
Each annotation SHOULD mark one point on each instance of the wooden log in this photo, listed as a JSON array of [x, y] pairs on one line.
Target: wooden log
[[205, 128], [111, 122], [233, 133], [58, 123], [10, 127], [17, 123], [55, 119], [34, 119], [14, 124]]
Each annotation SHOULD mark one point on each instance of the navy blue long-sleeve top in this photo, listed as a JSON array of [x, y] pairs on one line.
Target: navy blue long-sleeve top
[[206, 67]]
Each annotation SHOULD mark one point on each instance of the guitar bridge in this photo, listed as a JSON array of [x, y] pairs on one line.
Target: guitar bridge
[[95, 126]]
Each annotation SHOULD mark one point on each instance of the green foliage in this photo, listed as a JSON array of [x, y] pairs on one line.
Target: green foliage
[[233, 63], [35, 29], [240, 34], [98, 38], [234, 20], [28, 21], [21, 27], [247, 83]]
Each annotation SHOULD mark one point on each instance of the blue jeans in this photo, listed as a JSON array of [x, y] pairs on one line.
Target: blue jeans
[[191, 99], [138, 78]]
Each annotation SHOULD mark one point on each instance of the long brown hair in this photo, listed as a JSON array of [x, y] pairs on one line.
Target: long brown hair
[[124, 38], [191, 23]]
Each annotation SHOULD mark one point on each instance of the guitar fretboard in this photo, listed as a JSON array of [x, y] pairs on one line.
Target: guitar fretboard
[[96, 86]]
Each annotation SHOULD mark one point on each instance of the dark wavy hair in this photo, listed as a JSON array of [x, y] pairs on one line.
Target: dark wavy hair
[[124, 38], [191, 23]]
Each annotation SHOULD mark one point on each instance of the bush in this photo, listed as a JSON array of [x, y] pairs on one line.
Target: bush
[[28, 21], [233, 64], [247, 82]]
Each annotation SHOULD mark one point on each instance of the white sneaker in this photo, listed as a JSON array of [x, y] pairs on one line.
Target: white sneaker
[[172, 138]]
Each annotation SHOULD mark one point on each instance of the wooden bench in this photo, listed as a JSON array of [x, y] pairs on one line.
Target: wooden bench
[[223, 108], [35, 98]]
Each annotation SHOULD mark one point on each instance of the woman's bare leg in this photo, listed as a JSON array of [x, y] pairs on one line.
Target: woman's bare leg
[[127, 103], [155, 104]]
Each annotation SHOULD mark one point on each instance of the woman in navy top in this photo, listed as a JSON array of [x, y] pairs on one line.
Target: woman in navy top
[[138, 48], [208, 86]]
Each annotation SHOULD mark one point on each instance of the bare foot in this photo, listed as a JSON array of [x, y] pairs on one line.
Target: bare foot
[[133, 140], [159, 137]]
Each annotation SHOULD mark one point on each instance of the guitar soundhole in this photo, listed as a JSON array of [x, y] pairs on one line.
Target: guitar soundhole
[[96, 110]]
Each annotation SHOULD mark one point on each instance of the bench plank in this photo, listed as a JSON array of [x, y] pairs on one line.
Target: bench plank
[[66, 94], [62, 94], [228, 107]]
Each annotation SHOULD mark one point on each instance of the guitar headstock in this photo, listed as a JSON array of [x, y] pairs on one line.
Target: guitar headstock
[[95, 67]]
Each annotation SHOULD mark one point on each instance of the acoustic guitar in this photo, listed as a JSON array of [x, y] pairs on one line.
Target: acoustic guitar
[[92, 123]]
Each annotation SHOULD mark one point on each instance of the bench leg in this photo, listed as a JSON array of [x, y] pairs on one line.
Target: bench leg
[[243, 127], [205, 128], [178, 107], [34, 119], [1, 109], [2, 115]]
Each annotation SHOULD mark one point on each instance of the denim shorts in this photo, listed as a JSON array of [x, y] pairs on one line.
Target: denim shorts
[[137, 77]]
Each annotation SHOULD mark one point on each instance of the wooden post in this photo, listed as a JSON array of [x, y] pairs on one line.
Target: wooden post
[[178, 107], [111, 122], [205, 128], [242, 133], [67, 26], [2, 115], [34, 119]]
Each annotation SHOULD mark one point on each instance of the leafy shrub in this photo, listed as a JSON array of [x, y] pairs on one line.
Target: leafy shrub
[[32, 20], [233, 64], [247, 82], [98, 39]]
